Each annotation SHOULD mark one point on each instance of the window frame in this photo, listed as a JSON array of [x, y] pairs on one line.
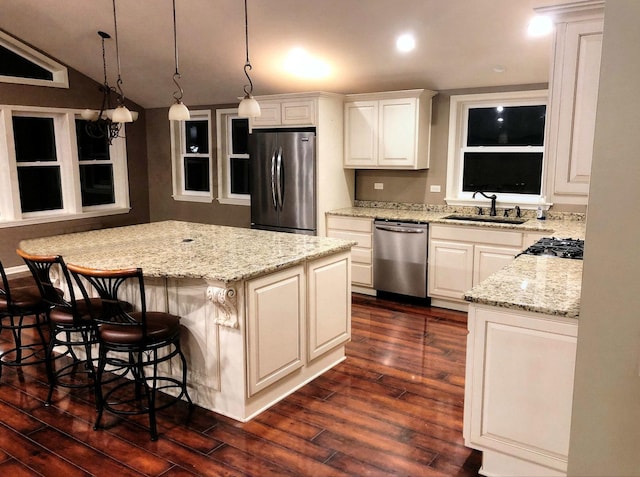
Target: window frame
[[458, 124], [67, 159], [224, 155], [178, 154]]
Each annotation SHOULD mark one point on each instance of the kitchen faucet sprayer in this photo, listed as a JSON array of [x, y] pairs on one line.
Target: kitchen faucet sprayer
[[492, 197]]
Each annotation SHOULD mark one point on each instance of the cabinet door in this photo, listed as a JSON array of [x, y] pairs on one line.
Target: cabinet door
[[450, 269], [361, 134], [398, 136], [298, 113], [521, 386], [329, 320], [488, 260], [270, 115], [275, 324]]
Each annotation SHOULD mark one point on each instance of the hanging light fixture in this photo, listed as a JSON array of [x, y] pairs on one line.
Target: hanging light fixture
[[107, 123], [248, 107], [178, 111]]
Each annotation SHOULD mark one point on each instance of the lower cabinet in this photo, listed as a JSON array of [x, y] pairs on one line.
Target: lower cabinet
[[518, 390]]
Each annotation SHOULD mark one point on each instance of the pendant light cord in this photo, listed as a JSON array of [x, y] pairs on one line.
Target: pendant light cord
[[176, 76], [119, 80], [247, 65]]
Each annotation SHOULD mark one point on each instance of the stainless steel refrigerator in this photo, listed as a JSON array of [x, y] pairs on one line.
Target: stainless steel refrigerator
[[283, 180]]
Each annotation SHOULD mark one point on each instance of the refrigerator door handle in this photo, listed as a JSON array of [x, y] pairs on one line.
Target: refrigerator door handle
[[279, 174], [273, 180]]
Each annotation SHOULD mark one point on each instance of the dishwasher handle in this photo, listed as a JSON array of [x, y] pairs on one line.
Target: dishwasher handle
[[402, 230]]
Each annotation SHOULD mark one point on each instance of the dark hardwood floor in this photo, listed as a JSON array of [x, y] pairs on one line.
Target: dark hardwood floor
[[394, 407]]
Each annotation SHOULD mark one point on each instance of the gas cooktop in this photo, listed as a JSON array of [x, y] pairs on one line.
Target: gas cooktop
[[557, 247]]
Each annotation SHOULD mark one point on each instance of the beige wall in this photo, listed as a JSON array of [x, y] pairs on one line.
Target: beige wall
[[162, 205], [82, 93], [605, 428]]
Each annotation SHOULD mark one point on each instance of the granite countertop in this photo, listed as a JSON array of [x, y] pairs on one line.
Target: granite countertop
[[542, 284], [564, 226], [187, 250]]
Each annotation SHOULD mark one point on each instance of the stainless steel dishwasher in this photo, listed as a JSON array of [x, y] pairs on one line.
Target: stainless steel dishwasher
[[400, 257]]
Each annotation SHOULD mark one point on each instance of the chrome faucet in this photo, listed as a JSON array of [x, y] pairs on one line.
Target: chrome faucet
[[493, 198]]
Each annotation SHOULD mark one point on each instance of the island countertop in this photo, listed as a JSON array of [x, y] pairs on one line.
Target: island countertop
[[541, 284], [177, 249]]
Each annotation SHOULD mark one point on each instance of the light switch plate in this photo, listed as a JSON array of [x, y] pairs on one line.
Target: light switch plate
[[434, 188], [378, 185]]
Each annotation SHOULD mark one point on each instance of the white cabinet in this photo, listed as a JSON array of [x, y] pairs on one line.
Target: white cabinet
[[275, 345], [518, 390], [359, 230], [285, 112], [461, 257], [573, 89], [388, 130]]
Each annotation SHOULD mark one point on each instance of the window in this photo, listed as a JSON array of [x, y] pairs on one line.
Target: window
[[55, 170], [496, 145], [191, 146], [233, 158], [22, 64]]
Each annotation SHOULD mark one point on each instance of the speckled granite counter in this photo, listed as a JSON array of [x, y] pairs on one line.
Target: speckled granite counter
[[187, 250], [572, 226], [540, 284]]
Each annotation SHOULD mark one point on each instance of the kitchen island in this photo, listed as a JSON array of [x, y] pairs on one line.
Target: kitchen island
[[263, 313]]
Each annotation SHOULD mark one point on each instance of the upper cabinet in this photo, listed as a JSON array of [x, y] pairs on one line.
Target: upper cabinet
[[388, 130], [573, 89], [286, 112]]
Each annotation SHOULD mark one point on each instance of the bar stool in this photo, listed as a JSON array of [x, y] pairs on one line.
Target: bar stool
[[137, 342], [70, 324], [22, 308]]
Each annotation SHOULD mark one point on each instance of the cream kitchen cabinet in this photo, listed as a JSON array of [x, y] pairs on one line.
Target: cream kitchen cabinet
[[461, 257], [285, 112], [388, 130], [573, 90], [518, 399], [359, 230]]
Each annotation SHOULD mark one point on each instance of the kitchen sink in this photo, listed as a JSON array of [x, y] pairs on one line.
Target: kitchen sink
[[486, 218]]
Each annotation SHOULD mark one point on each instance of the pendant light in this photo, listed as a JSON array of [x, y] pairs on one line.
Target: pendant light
[[178, 111], [248, 107], [121, 114]]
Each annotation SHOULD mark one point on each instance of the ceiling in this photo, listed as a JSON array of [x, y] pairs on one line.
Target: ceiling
[[459, 43]]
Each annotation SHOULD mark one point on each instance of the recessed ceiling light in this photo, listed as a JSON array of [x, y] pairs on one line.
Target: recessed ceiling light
[[405, 43], [539, 26], [499, 69], [300, 63]]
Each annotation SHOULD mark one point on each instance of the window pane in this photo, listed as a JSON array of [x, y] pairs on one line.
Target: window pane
[[96, 184], [12, 64], [516, 173], [34, 139], [508, 126], [196, 137], [90, 148], [239, 175], [40, 188], [240, 136], [196, 174]]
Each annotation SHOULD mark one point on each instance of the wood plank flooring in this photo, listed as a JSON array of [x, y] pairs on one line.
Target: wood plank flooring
[[394, 407]]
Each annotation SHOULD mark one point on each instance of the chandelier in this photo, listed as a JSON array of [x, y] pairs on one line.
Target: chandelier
[[108, 123]]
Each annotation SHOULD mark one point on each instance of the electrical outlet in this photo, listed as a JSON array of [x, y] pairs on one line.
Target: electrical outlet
[[434, 188], [378, 185]]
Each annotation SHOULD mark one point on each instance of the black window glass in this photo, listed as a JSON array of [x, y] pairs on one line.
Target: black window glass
[[40, 188], [196, 174], [34, 139], [240, 136], [96, 184], [506, 126], [196, 137], [90, 148], [515, 173], [239, 175], [12, 64]]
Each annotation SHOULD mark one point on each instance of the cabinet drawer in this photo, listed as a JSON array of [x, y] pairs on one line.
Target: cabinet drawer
[[361, 255], [362, 274], [350, 223], [477, 234], [364, 240]]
